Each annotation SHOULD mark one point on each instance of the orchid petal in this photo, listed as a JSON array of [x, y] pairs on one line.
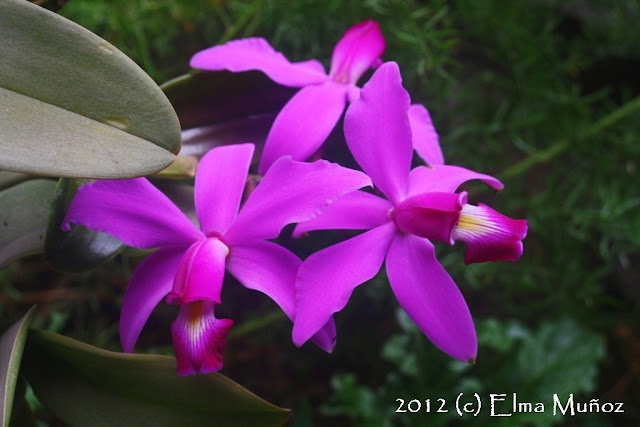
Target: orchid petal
[[151, 281], [292, 192], [445, 178], [424, 136], [430, 297], [220, 180], [327, 278], [432, 215], [133, 211], [489, 235], [353, 211], [271, 269], [257, 54], [200, 273], [359, 48], [377, 130], [326, 337], [266, 267], [304, 123], [199, 338]]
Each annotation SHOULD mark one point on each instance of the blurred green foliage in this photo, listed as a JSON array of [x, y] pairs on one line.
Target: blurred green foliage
[[541, 93], [557, 358]]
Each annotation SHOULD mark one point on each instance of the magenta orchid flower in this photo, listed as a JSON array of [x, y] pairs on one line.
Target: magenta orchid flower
[[308, 118], [190, 265], [421, 205]]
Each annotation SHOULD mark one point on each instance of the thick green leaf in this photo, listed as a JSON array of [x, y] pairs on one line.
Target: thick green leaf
[[80, 249], [11, 346], [73, 105], [7, 179], [85, 385], [21, 414], [24, 210], [219, 108]]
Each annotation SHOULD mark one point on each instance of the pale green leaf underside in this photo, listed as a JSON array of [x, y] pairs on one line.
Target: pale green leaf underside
[[73, 105], [47, 140]]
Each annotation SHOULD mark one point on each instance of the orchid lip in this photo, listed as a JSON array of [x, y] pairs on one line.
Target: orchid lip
[[489, 235], [200, 273], [432, 215], [199, 338], [216, 235]]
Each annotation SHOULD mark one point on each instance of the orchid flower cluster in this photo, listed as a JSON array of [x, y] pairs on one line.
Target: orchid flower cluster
[[406, 210]]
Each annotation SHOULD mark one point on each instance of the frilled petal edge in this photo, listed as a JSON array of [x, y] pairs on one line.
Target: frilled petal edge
[[199, 339], [489, 235]]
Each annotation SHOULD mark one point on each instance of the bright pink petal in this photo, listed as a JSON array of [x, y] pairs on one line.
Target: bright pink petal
[[430, 297], [327, 278], [151, 281], [266, 267], [325, 338], [424, 136], [133, 211], [432, 215], [353, 211], [199, 338], [445, 178], [304, 123], [377, 130], [359, 48], [220, 180], [489, 235], [257, 54], [271, 269], [200, 273], [292, 192]]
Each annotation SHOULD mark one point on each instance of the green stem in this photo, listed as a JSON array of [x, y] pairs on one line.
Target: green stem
[[563, 144]]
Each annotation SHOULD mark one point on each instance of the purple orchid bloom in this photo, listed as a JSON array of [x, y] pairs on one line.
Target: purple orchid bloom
[[308, 118], [189, 266], [421, 205]]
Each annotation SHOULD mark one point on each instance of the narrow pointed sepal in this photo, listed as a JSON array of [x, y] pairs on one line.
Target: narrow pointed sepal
[[199, 338], [489, 235]]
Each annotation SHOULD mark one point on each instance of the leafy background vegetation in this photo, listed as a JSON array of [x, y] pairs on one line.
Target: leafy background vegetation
[[542, 94]]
